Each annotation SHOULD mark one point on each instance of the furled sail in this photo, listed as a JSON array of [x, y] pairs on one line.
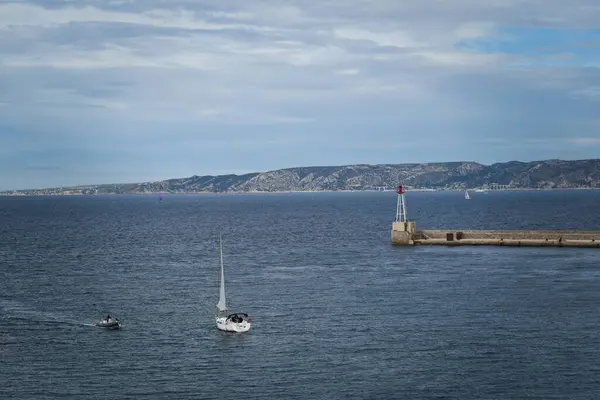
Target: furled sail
[[222, 304]]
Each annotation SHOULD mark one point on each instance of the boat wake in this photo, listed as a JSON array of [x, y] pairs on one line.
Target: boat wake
[[15, 311], [48, 321]]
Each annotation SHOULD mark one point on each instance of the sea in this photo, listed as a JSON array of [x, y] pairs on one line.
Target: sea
[[338, 312]]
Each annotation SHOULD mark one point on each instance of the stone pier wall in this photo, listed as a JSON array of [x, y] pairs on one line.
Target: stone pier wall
[[459, 234], [405, 233]]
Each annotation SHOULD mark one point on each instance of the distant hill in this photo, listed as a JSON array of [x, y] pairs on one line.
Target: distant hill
[[445, 175]]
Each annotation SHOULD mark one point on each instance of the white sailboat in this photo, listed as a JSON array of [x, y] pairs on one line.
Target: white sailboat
[[238, 322], [467, 195]]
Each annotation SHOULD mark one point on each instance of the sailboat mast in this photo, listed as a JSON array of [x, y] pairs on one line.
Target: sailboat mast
[[221, 254], [222, 305]]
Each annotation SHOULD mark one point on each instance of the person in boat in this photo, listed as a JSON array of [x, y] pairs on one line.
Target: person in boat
[[108, 318], [236, 318]]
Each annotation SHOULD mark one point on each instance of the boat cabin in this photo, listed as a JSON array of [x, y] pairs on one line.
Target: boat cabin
[[237, 317]]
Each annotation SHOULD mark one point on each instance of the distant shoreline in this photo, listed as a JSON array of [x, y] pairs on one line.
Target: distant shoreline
[[440, 176], [20, 194]]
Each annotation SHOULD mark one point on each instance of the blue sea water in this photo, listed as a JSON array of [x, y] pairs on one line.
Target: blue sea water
[[337, 311]]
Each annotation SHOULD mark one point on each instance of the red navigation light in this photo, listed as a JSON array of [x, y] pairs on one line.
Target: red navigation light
[[400, 189]]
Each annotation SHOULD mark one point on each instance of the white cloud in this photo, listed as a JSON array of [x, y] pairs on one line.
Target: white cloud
[[387, 38], [456, 58], [17, 14], [590, 93], [294, 35], [349, 71]]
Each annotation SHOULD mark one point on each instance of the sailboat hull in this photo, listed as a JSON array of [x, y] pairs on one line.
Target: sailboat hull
[[226, 325]]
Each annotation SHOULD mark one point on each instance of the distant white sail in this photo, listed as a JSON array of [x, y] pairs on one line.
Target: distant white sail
[[222, 304]]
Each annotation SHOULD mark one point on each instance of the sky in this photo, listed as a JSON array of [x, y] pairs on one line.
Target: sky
[[128, 91]]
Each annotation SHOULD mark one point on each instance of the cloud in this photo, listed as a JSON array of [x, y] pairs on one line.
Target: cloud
[[350, 71], [389, 38], [29, 15], [591, 93], [127, 82], [586, 140]]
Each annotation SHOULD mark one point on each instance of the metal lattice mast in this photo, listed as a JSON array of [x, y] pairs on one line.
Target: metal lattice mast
[[401, 205]]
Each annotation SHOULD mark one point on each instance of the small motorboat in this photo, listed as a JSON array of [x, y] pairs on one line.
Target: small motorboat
[[109, 323]]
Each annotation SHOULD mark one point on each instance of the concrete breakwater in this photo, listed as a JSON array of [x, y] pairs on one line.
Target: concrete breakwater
[[405, 233]]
